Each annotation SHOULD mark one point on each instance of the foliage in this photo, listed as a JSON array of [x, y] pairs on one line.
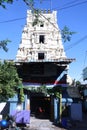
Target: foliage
[[56, 91], [21, 95], [2, 2], [66, 34], [30, 3], [78, 83], [9, 80], [3, 44], [81, 89], [42, 89], [36, 17]]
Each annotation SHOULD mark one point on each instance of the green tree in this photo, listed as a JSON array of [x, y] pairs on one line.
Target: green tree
[[20, 93], [78, 83], [9, 80], [66, 34], [30, 3], [3, 44]]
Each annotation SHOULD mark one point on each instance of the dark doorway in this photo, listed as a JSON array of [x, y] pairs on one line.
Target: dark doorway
[[40, 106]]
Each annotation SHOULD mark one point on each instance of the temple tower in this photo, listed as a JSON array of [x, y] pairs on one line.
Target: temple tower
[[41, 53], [42, 41]]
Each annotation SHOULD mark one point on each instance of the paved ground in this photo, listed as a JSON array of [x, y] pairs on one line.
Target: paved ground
[[45, 124], [42, 124]]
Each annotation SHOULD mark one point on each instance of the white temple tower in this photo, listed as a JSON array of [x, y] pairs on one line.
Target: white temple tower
[[41, 53], [42, 41]]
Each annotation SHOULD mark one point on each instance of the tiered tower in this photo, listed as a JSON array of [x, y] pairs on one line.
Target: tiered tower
[[41, 53], [42, 41]]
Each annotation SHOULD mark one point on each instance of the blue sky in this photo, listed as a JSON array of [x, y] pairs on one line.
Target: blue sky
[[71, 13]]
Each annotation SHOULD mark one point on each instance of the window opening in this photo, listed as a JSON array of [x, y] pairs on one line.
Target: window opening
[[40, 56], [42, 25], [41, 39]]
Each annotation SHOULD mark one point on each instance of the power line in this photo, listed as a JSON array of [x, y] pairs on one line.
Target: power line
[[68, 3], [74, 44], [62, 8], [73, 5], [12, 20], [69, 47]]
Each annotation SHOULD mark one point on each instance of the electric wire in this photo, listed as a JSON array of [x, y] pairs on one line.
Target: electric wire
[[73, 5], [59, 9], [70, 46], [74, 44], [71, 2], [12, 20]]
